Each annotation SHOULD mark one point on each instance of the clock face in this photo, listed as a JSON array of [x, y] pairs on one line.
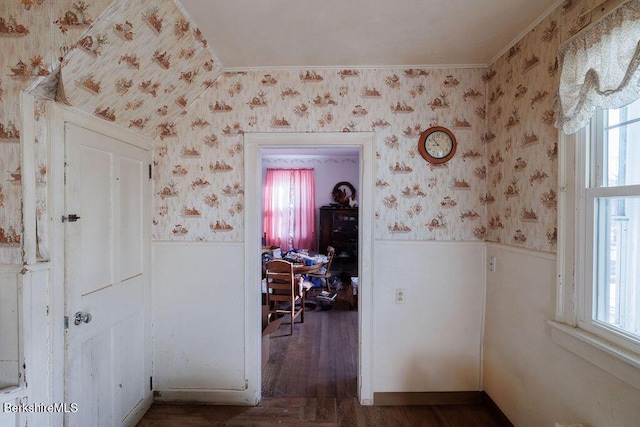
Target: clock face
[[437, 145]]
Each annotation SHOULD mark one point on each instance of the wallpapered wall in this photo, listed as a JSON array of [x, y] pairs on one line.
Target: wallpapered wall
[[116, 67], [201, 167], [33, 35], [521, 140], [139, 66], [143, 64]]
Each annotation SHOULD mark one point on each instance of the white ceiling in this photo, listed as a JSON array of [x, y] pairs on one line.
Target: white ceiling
[[291, 33]]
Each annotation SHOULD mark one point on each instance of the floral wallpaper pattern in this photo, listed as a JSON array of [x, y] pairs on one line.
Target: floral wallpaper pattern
[[144, 66], [91, 35], [34, 34], [161, 64], [521, 140], [203, 161]]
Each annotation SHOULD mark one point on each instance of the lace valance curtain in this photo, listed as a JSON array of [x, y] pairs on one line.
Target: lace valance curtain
[[599, 68]]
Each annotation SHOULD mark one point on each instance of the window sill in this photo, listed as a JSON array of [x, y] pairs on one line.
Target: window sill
[[622, 363]]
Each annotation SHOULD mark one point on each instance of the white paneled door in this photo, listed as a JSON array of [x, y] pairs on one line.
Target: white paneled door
[[108, 346]]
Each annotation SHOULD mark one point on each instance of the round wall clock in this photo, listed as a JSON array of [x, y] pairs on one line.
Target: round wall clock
[[437, 145]]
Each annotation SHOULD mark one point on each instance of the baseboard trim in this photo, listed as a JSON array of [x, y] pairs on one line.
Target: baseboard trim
[[427, 398]]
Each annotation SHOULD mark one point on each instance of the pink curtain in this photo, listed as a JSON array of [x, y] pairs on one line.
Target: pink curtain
[[290, 208], [276, 194], [304, 209]]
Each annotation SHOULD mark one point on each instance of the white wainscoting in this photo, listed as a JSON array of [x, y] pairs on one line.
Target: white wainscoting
[[10, 325], [534, 381], [30, 342], [199, 322], [9, 329], [432, 342]]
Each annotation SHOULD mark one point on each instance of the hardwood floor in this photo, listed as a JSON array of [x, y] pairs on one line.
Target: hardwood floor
[[300, 411], [311, 380], [319, 360]]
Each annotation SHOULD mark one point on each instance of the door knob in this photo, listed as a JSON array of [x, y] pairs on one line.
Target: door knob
[[81, 317]]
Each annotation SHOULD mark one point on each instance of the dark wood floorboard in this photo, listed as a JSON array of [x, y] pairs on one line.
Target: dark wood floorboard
[[318, 360], [311, 380], [301, 411]]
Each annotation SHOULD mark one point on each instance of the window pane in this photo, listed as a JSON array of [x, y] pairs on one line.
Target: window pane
[[624, 114], [622, 147], [617, 284]]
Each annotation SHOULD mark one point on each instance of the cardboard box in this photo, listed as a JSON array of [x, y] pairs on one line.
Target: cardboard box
[[267, 329]]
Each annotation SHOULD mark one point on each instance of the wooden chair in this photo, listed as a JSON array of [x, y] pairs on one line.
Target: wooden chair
[[326, 275], [284, 290]]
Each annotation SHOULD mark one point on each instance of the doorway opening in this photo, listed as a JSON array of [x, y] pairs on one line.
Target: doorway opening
[[363, 145], [319, 359]]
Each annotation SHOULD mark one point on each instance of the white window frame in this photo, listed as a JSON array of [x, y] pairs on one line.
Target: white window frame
[[591, 151], [573, 327]]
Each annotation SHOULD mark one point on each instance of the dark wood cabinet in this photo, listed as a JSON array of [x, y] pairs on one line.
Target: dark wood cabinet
[[339, 228]]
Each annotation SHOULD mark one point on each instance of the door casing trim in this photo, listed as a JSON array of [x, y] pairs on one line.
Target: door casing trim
[[254, 143]]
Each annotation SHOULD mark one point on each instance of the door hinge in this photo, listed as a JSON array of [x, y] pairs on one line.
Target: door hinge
[[70, 218], [151, 383], [66, 322], [150, 171]]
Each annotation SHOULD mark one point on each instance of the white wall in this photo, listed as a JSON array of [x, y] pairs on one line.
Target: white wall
[[199, 322], [9, 351], [432, 342], [34, 352], [534, 381], [8, 329]]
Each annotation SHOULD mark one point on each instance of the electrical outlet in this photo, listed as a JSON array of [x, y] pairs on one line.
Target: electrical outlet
[[400, 296], [492, 264]]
